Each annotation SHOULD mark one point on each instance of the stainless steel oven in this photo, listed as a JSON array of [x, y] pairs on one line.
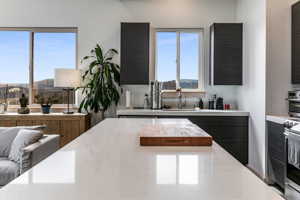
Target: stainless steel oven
[[294, 103], [292, 176]]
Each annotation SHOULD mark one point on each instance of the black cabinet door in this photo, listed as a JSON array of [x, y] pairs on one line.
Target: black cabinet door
[[276, 172], [296, 43], [229, 132], [276, 153], [135, 53], [226, 62]]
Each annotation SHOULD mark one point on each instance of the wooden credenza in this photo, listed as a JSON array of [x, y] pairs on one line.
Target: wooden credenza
[[67, 126]]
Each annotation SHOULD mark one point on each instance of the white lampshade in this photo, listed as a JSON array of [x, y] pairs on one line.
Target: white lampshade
[[67, 78]]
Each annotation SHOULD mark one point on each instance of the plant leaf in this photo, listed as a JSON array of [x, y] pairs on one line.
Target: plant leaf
[[101, 81]]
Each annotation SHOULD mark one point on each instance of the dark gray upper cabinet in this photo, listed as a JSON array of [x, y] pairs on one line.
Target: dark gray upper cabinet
[[296, 43], [135, 53], [226, 54]]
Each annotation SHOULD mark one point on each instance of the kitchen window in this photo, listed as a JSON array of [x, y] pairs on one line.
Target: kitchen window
[[28, 57], [179, 59]]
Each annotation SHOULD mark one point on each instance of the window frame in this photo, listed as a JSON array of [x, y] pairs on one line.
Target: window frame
[[32, 31], [201, 72]]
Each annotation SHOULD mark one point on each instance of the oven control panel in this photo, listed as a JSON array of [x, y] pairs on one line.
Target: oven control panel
[[290, 123]]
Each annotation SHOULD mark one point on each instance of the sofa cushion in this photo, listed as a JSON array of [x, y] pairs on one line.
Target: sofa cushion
[[9, 170], [24, 138], [8, 134]]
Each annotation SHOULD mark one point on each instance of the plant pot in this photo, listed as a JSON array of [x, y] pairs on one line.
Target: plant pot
[[45, 109], [96, 118]]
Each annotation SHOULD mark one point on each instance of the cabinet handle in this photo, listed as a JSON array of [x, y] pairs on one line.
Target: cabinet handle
[[176, 141]]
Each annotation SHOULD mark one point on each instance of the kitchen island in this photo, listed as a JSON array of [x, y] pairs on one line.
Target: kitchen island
[[180, 112], [108, 163], [229, 128]]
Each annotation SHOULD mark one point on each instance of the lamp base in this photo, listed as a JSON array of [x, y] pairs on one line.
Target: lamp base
[[68, 112]]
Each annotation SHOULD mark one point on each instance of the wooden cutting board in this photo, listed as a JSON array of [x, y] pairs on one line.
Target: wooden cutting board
[[174, 135]]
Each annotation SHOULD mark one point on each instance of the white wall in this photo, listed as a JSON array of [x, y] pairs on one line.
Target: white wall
[[99, 20], [187, 14], [278, 55], [251, 96]]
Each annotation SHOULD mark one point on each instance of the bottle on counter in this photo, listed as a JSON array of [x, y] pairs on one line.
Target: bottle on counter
[[146, 102], [227, 107], [211, 104], [155, 94], [128, 99], [219, 103], [200, 104]]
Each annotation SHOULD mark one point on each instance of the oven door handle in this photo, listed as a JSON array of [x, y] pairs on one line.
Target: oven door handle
[[293, 100], [288, 132]]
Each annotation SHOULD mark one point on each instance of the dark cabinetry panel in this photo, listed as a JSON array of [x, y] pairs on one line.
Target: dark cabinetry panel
[[229, 132], [135, 53], [296, 43], [226, 55], [276, 171], [237, 148], [276, 153]]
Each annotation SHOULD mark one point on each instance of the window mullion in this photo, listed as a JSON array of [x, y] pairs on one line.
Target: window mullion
[[178, 60], [200, 61], [31, 63]]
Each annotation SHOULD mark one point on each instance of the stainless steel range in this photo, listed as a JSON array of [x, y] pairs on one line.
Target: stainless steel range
[[294, 103], [292, 149]]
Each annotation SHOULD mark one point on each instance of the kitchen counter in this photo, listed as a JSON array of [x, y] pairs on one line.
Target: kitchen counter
[[107, 163], [41, 114], [280, 119], [182, 112]]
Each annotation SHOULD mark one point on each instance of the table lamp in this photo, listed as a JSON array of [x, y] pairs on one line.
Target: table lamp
[[68, 79]]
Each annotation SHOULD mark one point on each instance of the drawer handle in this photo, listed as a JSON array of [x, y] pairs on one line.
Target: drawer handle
[[176, 141]]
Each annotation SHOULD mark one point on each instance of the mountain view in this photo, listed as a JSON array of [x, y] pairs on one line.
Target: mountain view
[[184, 83], [11, 93]]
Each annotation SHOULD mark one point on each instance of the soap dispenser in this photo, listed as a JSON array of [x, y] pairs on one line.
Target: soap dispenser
[[200, 103]]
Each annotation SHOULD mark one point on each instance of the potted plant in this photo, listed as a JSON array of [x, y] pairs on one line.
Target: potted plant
[[101, 81], [45, 102]]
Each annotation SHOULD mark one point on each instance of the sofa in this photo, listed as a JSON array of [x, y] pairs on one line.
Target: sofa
[[18, 154]]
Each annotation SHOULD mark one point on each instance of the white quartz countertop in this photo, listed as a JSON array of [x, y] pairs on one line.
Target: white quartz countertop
[[280, 119], [183, 112], [107, 163]]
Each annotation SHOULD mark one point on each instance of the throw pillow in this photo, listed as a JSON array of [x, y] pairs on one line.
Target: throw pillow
[[8, 134], [23, 139]]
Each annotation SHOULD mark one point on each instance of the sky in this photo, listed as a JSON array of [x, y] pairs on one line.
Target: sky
[[58, 50], [51, 50], [166, 56]]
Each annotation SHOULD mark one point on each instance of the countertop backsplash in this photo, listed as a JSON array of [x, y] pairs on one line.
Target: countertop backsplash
[[138, 92]]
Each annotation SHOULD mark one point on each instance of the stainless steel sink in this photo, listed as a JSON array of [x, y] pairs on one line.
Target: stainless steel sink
[[177, 109]]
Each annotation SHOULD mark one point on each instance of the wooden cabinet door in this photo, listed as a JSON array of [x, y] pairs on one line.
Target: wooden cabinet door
[[24, 122], [70, 129], [52, 126], [8, 123]]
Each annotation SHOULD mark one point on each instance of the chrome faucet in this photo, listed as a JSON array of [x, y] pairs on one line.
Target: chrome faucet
[[180, 103]]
